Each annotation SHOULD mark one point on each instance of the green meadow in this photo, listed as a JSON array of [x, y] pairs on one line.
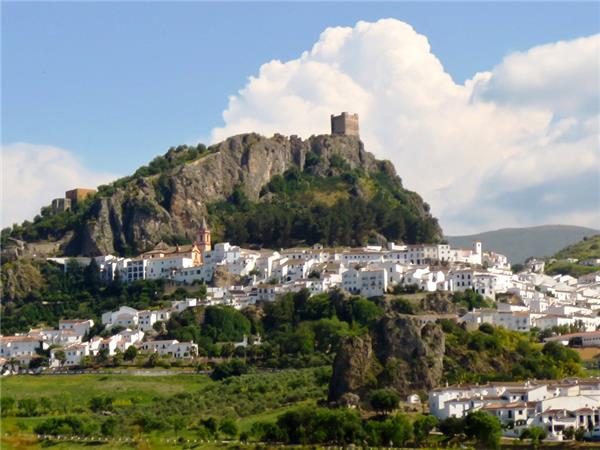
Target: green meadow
[[163, 411]]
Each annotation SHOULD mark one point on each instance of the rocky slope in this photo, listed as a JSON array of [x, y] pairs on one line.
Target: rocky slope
[[398, 352], [134, 214]]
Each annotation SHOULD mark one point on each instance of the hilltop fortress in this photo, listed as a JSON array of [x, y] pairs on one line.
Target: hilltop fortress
[[345, 124]]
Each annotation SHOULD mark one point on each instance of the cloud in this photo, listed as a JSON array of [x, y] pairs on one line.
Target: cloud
[[531, 119], [33, 175]]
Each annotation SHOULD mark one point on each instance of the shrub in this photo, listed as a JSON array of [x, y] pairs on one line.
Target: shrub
[[100, 403], [422, 426], [70, 425], [228, 369], [384, 400], [485, 428], [7, 405], [28, 407], [228, 427], [395, 431], [320, 425]]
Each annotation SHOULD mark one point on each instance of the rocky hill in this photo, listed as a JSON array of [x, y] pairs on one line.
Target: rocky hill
[[407, 354], [254, 190], [398, 352]]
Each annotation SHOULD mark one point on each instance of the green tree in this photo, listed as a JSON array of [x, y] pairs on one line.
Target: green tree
[[227, 350], [452, 426], [422, 426], [70, 425], [228, 369], [384, 400], [91, 276], [60, 356], [102, 356], [131, 353], [484, 428], [364, 311], [228, 427], [225, 324], [534, 434]]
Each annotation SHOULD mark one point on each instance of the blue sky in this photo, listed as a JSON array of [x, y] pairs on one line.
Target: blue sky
[[91, 91], [118, 83]]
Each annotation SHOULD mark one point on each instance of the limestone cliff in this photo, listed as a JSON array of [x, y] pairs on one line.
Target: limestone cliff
[[135, 213], [398, 352]]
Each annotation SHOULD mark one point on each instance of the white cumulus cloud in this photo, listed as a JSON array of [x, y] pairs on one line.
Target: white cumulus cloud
[[466, 148], [33, 175]]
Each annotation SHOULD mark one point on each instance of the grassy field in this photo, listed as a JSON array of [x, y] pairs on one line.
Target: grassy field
[[159, 397], [81, 388]]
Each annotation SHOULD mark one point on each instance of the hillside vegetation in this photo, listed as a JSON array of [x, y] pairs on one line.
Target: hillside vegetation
[[587, 248], [270, 192]]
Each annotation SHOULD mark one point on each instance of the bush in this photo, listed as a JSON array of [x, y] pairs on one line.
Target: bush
[[320, 425], [130, 353], [28, 407], [100, 404], [70, 425], [422, 426], [109, 426], [7, 405], [384, 400], [485, 428], [228, 369], [452, 426], [394, 431], [268, 432], [535, 434], [228, 427]]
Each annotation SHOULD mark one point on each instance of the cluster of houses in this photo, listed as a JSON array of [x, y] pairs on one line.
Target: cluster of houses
[[264, 274], [72, 341], [553, 405], [537, 300], [544, 302], [241, 277]]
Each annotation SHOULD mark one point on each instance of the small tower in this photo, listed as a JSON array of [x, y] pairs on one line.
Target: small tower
[[204, 238], [477, 247], [345, 124]]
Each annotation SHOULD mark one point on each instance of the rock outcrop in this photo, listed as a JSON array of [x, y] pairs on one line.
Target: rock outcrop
[[399, 352], [171, 204]]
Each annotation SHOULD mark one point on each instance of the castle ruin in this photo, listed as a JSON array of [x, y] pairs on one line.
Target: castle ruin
[[345, 124]]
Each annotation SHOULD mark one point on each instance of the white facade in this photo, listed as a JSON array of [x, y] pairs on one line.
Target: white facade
[[554, 406], [21, 348], [172, 348], [125, 316], [81, 327]]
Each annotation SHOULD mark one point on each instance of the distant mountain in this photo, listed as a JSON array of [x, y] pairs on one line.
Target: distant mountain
[[521, 243]]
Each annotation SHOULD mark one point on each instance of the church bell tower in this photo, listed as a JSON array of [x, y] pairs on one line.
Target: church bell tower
[[204, 243]]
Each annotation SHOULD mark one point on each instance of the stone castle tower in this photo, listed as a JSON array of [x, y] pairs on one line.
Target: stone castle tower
[[346, 124], [204, 243]]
